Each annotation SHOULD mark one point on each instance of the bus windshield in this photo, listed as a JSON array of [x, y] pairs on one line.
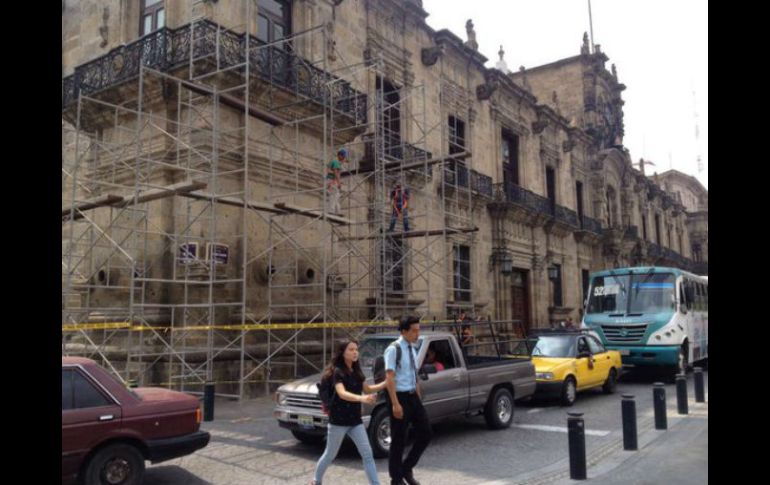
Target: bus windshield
[[652, 293], [632, 294], [609, 294]]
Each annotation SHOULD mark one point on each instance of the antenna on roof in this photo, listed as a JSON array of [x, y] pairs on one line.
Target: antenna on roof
[[591, 26]]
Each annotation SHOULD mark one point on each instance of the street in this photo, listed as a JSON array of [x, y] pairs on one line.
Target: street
[[248, 447]]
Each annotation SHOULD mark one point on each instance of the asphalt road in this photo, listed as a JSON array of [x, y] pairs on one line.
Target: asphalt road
[[248, 447]]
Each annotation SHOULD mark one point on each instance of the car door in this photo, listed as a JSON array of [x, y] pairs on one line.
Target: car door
[[89, 415], [602, 360], [584, 365], [445, 392]]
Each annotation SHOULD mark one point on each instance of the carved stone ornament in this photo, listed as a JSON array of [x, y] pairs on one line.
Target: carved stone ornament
[[430, 55], [568, 145], [538, 126], [484, 91]]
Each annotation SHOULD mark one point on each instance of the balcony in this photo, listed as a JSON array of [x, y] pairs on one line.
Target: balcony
[[631, 232], [541, 210], [459, 176], [515, 194], [395, 153], [566, 216], [591, 225], [212, 47]]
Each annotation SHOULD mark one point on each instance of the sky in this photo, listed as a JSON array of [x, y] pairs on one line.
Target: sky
[[659, 47]]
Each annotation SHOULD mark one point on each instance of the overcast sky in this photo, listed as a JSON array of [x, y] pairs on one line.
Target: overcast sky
[[660, 49]]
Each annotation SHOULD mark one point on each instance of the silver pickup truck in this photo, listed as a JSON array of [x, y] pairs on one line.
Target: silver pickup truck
[[468, 385]]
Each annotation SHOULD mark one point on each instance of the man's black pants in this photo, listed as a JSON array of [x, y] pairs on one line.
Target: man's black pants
[[414, 414]]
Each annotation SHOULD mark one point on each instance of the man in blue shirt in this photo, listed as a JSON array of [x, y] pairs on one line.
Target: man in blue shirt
[[405, 403]]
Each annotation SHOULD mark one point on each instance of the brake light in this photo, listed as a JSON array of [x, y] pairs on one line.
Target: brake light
[[198, 415]]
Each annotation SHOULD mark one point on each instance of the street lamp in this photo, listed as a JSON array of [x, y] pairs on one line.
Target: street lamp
[[502, 257], [553, 272], [506, 263]]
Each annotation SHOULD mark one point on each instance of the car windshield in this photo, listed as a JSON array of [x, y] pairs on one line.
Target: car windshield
[[608, 294], [652, 293], [555, 346]]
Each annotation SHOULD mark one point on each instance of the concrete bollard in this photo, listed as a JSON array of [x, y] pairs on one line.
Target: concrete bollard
[[208, 402], [577, 446], [659, 403], [681, 394], [628, 408], [700, 392]]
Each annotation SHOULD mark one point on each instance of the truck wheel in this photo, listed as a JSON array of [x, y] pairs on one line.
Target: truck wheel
[[611, 383], [569, 392], [379, 432], [499, 410], [118, 464], [307, 438]]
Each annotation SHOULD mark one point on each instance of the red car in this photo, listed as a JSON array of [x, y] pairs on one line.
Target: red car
[[108, 430]]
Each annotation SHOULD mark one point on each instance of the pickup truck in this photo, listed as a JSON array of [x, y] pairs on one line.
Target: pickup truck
[[109, 430], [468, 385]]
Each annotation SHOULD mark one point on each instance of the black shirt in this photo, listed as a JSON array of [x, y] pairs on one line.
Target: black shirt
[[342, 412]]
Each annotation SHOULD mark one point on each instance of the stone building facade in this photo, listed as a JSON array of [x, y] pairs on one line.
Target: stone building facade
[[546, 193]]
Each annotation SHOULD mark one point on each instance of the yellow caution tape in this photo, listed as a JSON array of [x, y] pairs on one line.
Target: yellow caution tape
[[74, 327]]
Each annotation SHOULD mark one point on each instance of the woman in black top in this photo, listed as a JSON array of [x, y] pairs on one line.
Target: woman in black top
[[345, 410]]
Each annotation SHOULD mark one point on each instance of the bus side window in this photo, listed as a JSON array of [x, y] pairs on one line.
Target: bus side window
[[706, 293], [689, 292], [699, 292]]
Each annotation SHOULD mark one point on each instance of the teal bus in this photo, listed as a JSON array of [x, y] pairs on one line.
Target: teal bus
[[654, 316]]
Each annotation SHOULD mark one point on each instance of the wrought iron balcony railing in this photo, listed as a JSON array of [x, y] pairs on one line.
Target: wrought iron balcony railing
[[592, 225], [456, 174], [566, 216], [168, 49]]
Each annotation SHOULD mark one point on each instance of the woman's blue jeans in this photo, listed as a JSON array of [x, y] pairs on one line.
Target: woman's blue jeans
[[333, 442]]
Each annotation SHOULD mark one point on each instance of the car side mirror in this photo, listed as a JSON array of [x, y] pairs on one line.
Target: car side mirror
[[584, 354], [427, 369]]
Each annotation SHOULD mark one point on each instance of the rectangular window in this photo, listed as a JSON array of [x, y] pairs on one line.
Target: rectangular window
[[273, 20], [462, 272], [456, 135], [394, 266], [457, 145], [388, 101], [86, 394], [644, 227], [153, 16], [585, 274], [67, 396], [510, 148], [557, 297], [550, 186], [579, 200], [657, 229]]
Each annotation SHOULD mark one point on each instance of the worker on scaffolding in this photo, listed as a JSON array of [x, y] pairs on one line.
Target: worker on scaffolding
[[333, 182], [399, 199]]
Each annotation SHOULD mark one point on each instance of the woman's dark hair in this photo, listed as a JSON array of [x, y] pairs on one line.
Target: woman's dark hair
[[339, 361]]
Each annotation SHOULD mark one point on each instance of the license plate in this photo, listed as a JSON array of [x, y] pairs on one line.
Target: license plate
[[624, 352], [305, 421]]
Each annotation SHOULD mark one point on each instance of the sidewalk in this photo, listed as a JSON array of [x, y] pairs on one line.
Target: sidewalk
[[677, 455]]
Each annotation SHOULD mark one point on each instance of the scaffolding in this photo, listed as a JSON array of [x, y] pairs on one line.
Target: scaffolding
[[198, 245]]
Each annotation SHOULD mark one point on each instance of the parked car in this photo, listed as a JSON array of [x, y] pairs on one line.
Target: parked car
[[570, 361], [109, 430], [468, 385]]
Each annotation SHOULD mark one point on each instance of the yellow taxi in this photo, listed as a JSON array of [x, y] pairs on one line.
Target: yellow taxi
[[568, 361]]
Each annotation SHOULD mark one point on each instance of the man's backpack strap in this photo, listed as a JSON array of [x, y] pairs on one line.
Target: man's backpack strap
[[398, 353]]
